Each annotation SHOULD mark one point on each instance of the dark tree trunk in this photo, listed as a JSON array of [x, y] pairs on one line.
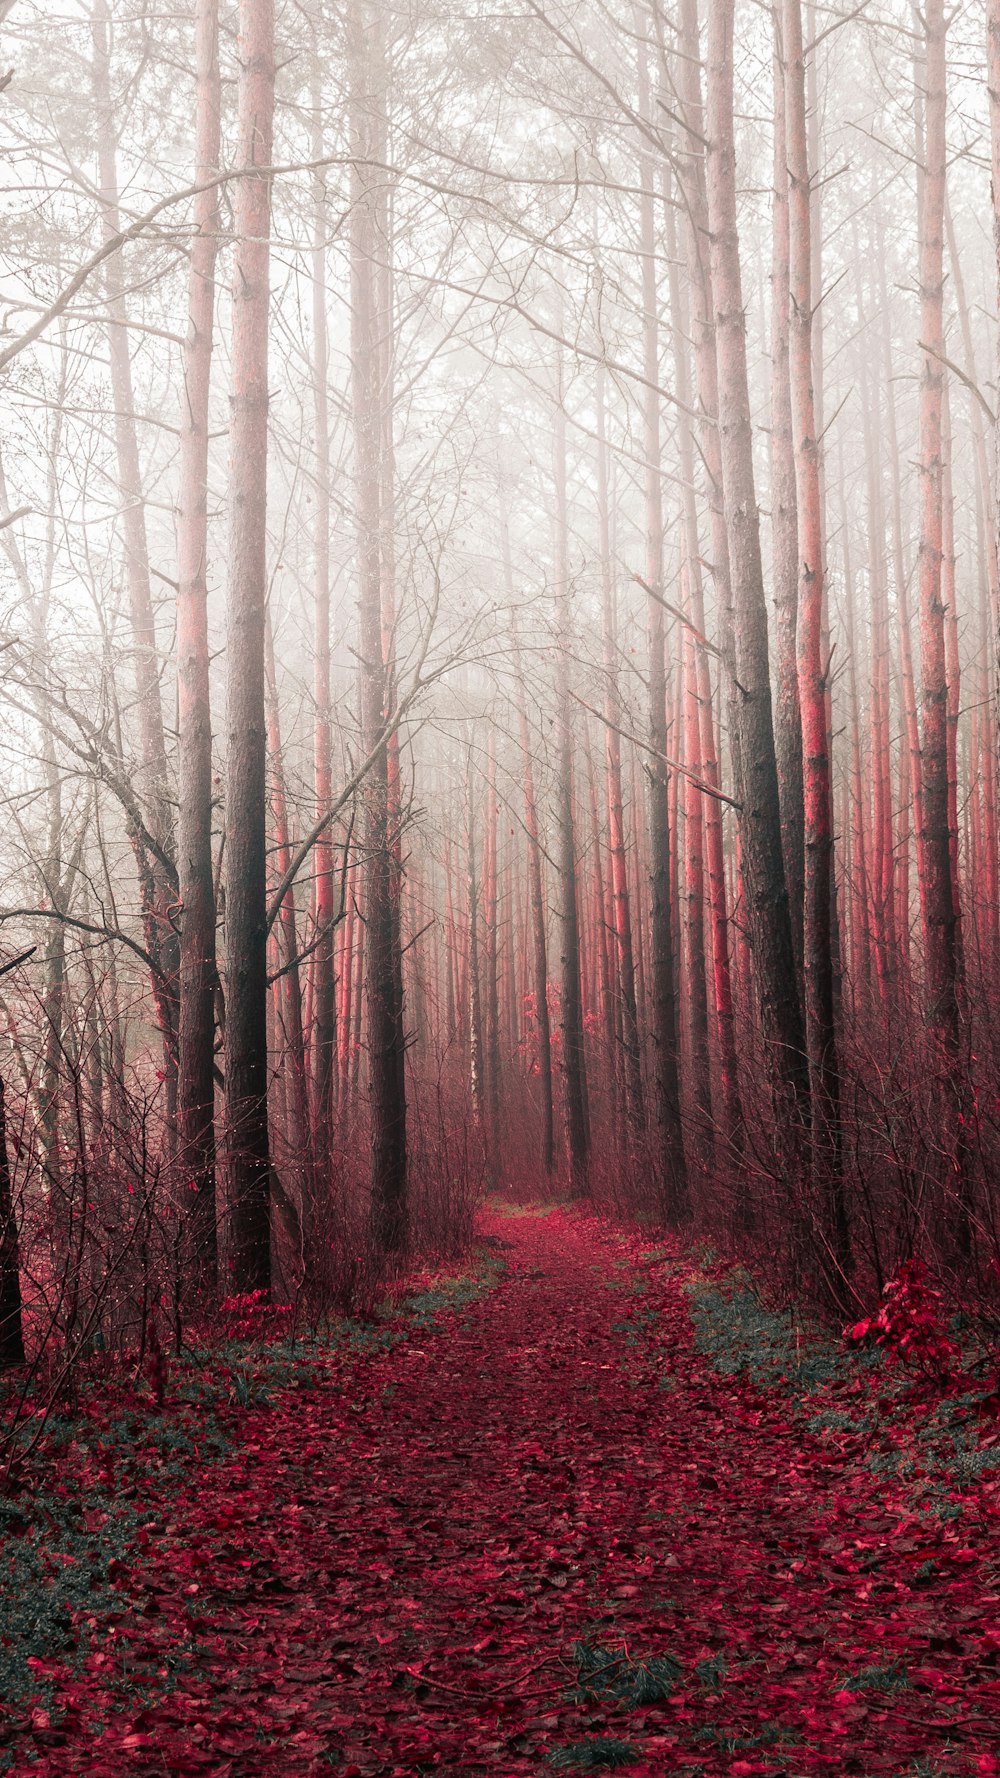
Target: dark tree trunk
[[11, 1339], [666, 1098], [246, 911], [574, 1076], [762, 863], [784, 527], [818, 932]]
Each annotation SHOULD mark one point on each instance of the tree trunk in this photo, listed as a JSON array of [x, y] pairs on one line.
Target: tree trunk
[[246, 938], [196, 883], [618, 860], [11, 1340], [156, 862], [699, 272], [324, 1047], [762, 863], [818, 907], [938, 888], [369, 319], [575, 1091], [670, 1159], [993, 88], [536, 895], [784, 526], [491, 996], [477, 1091]]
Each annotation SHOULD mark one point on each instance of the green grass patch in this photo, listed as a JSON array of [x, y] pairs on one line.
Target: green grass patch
[[607, 1676], [598, 1754], [875, 1679]]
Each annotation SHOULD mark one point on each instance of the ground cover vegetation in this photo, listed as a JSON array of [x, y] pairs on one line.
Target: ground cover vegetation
[[590, 1505]]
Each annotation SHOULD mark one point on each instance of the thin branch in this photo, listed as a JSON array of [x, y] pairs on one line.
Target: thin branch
[[672, 764], [112, 933], [963, 377]]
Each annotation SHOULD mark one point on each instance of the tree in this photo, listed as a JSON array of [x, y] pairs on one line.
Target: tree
[[670, 1159], [817, 943], [570, 999], [370, 318], [938, 897], [246, 887], [761, 859], [196, 882]]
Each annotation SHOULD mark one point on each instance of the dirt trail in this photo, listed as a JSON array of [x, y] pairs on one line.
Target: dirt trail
[[390, 1576]]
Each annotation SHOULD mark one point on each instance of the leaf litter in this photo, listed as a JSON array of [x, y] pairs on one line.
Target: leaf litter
[[545, 1523]]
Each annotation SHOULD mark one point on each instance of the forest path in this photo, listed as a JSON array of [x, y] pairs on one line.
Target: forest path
[[390, 1577]]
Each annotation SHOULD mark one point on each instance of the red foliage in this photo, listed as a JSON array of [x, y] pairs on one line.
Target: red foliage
[[387, 1573], [252, 1316], [908, 1325]]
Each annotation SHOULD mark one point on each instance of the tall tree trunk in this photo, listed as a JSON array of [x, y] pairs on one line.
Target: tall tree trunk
[[762, 863], [324, 1047], [857, 877], [989, 571], [993, 88], [288, 996], [908, 694], [694, 896], [784, 525], [574, 1081], [818, 907], [953, 669], [669, 1156], [369, 321], [884, 911], [697, 727], [618, 860], [536, 895], [11, 1337], [938, 898], [491, 997], [156, 860], [688, 78], [246, 938], [477, 1092], [196, 883]]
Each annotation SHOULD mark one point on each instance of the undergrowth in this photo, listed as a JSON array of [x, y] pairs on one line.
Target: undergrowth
[[925, 1430], [604, 1676], [72, 1519], [597, 1754]]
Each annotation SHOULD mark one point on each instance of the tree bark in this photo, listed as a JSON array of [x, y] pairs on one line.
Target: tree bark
[[536, 896], [784, 526], [993, 89], [670, 1159], [246, 937], [939, 891], [688, 78], [196, 882], [11, 1337], [369, 393], [571, 1002], [635, 1103], [818, 907], [324, 1048], [762, 863], [158, 882], [938, 897]]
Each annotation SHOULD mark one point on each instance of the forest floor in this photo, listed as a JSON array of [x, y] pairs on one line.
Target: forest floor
[[597, 1508]]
